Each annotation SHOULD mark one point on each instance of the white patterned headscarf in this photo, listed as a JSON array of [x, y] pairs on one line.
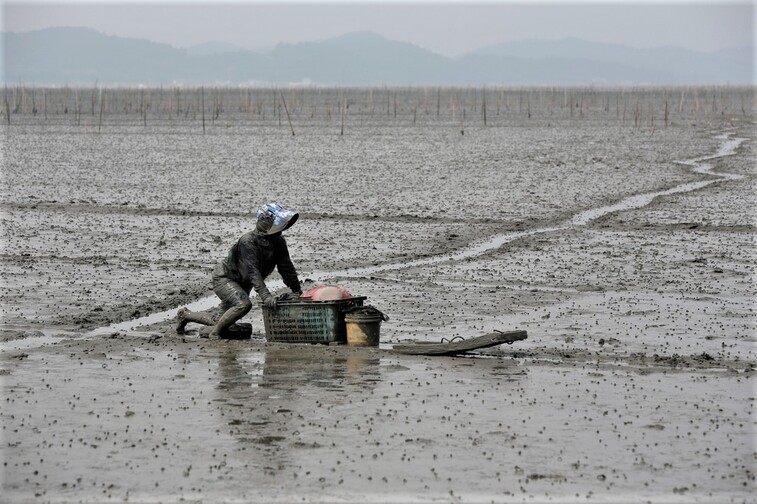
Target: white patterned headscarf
[[280, 217]]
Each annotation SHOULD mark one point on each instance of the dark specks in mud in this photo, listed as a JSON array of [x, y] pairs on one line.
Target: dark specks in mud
[[655, 426], [676, 360], [303, 445], [671, 282], [551, 477], [10, 334], [268, 440]]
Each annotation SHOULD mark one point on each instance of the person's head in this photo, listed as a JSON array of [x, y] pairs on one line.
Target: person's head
[[274, 218]]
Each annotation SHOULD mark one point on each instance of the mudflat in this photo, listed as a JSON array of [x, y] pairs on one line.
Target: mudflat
[[624, 245]]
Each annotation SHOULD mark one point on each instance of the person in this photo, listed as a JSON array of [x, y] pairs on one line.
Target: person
[[246, 266]]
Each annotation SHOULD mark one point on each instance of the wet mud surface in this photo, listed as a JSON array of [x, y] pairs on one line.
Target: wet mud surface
[[636, 382], [164, 418]]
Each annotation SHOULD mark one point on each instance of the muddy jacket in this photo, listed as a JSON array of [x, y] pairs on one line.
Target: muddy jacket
[[254, 257]]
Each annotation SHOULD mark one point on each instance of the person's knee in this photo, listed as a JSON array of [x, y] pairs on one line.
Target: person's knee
[[243, 306]]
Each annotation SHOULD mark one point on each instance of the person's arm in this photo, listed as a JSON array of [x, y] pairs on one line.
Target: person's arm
[[286, 268]]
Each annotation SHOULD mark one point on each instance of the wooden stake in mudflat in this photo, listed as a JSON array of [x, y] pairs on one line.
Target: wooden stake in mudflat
[[666, 113], [94, 97], [202, 92], [483, 103], [7, 108], [78, 107], [344, 106], [100, 120], [286, 109], [143, 106]]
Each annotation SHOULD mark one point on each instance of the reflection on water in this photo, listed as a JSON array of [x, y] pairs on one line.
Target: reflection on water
[[238, 374], [336, 371], [267, 397]]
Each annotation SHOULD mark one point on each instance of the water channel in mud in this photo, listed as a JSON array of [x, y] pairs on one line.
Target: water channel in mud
[[727, 147]]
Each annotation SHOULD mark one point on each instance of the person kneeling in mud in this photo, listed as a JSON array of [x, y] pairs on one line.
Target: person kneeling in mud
[[246, 266]]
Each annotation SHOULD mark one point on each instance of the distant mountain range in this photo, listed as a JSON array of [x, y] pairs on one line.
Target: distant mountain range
[[82, 56]]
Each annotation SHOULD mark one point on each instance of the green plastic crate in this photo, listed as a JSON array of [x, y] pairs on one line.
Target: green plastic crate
[[308, 321]]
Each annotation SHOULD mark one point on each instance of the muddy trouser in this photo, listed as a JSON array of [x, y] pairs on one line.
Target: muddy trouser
[[230, 292], [234, 299]]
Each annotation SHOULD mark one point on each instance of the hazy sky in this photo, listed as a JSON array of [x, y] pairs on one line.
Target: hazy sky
[[449, 28]]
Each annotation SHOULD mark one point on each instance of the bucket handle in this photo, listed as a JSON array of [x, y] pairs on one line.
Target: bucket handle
[[368, 310]]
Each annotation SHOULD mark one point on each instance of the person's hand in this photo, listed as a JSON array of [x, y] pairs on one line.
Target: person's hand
[[289, 296], [270, 302]]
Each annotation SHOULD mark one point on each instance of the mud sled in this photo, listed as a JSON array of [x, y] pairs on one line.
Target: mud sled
[[458, 345]]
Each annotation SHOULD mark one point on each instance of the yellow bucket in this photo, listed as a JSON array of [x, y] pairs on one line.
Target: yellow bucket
[[363, 328]]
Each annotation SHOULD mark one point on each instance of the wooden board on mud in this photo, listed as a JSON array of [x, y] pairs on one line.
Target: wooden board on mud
[[458, 347]]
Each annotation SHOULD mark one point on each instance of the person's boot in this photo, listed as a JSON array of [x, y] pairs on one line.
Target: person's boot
[[185, 316], [227, 319], [181, 320], [207, 332]]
